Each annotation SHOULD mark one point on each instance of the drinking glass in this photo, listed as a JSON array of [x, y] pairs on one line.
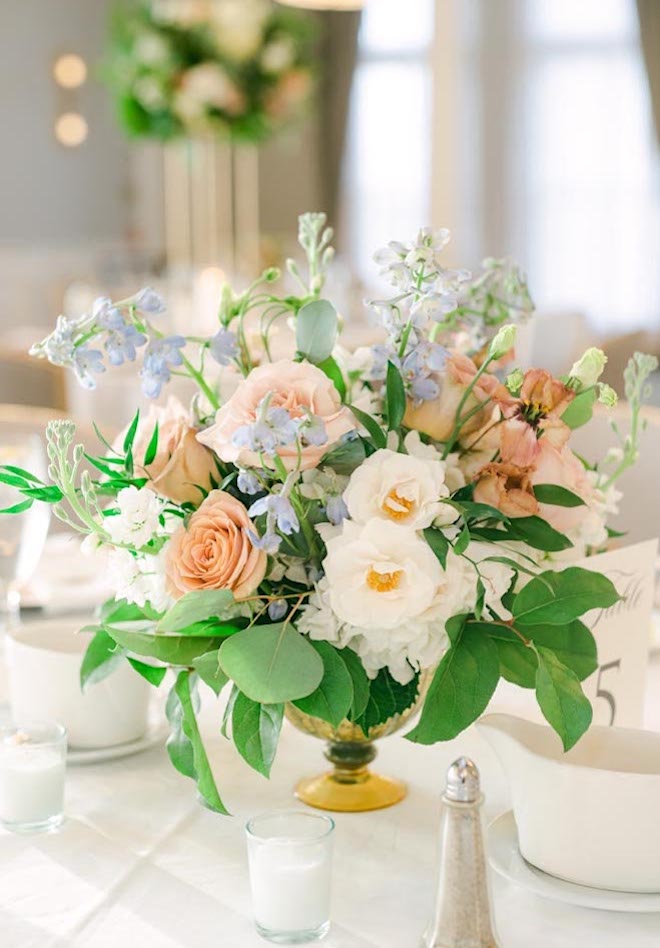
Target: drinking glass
[[32, 766], [22, 535], [290, 856]]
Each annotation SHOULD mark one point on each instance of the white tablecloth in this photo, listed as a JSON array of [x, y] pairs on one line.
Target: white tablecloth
[[140, 862]]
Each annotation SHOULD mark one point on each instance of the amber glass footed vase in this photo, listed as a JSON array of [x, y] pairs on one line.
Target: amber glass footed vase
[[351, 787]]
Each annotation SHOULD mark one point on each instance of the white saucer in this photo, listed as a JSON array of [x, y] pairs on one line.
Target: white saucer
[[156, 734], [504, 856]]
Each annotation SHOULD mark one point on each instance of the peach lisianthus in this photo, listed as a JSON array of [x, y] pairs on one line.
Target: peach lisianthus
[[507, 487], [181, 465], [298, 387], [437, 417], [215, 551], [561, 467]]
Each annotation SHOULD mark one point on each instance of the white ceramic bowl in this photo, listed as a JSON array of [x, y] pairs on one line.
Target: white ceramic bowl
[[43, 666]]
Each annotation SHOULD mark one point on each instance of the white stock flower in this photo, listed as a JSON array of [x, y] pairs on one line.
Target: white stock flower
[[138, 518], [140, 579], [380, 574], [399, 488]]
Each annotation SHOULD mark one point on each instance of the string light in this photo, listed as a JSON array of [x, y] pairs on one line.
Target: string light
[[71, 129], [70, 71]]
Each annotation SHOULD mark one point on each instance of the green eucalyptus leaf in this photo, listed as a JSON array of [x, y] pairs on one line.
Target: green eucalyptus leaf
[[202, 769], [179, 746], [580, 409], [255, 730], [556, 598], [561, 699], [101, 658], [316, 330], [333, 699], [462, 686], [271, 663], [196, 606], [395, 396], [154, 674], [557, 496], [208, 668], [171, 649]]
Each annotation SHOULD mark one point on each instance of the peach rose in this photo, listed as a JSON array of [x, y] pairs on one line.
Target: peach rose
[[509, 488], [297, 386], [437, 417], [181, 465], [214, 550]]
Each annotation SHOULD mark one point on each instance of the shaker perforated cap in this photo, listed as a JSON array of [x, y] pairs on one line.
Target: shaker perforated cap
[[463, 781]]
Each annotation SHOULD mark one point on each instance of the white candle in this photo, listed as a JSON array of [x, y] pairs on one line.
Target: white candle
[[31, 781], [290, 886], [290, 868]]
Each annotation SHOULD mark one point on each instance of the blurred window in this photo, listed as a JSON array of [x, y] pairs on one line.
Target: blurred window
[[569, 176], [386, 187]]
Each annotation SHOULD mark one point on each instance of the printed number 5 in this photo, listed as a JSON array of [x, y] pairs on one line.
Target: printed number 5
[[603, 693]]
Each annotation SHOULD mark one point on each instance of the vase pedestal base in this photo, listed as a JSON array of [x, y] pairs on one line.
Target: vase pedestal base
[[369, 792]]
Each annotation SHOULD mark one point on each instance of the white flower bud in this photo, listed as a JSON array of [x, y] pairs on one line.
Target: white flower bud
[[589, 368], [503, 342]]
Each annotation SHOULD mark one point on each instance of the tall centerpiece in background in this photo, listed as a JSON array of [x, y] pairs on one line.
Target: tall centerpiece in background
[[347, 538], [212, 79]]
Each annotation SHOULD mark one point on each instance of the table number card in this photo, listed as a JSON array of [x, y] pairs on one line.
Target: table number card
[[617, 689]]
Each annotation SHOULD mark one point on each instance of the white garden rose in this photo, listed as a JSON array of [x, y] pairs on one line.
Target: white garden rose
[[398, 488], [380, 574], [412, 646]]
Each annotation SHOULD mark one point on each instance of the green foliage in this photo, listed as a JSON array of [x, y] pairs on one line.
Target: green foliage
[[561, 699], [101, 658], [439, 544], [271, 663], [580, 409], [558, 598], [360, 681], [255, 730], [386, 698], [395, 397], [538, 534], [197, 606], [334, 373], [462, 686], [154, 674], [208, 668], [333, 699], [316, 331], [177, 650], [558, 496], [373, 429], [346, 457], [185, 746], [152, 448]]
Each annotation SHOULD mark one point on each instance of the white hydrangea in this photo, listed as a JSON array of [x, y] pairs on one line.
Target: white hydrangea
[[138, 519]]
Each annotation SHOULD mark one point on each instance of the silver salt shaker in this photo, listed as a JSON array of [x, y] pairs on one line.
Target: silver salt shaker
[[463, 917]]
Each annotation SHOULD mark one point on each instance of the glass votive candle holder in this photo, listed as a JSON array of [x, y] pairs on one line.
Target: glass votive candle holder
[[32, 767], [290, 859]]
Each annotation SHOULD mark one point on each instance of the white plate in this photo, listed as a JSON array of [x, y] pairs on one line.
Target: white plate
[[156, 734], [505, 858]]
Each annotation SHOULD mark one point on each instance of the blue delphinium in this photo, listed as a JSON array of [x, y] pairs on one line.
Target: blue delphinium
[[159, 356], [223, 346]]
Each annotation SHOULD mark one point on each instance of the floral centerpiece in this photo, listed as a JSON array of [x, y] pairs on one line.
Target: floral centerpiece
[[238, 68], [343, 524]]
